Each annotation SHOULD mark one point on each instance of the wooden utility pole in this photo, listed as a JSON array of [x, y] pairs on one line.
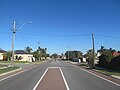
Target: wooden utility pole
[[39, 50], [13, 39], [93, 62]]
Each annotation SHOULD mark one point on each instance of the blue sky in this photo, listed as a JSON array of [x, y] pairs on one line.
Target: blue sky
[[60, 25]]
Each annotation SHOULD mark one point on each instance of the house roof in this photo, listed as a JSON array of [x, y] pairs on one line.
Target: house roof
[[116, 54], [21, 52], [3, 51]]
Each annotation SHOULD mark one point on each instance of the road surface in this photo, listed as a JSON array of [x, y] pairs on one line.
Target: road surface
[[63, 75]]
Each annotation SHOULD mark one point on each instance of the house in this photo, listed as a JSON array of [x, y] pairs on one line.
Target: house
[[98, 54], [21, 55], [63, 57], [2, 52], [115, 54]]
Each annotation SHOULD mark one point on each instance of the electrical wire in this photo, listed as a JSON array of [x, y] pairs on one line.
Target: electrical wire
[[118, 37], [108, 41], [55, 34]]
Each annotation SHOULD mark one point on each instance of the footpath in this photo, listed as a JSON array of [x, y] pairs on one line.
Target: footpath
[[112, 78]]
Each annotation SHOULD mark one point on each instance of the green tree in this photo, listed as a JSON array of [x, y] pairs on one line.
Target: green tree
[[54, 55], [105, 58], [28, 49], [36, 55], [74, 54], [102, 49], [89, 57], [115, 63], [40, 52], [8, 55]]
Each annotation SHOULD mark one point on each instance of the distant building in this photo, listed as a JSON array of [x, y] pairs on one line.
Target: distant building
[[22, 55], [63, 57], [98, 54]]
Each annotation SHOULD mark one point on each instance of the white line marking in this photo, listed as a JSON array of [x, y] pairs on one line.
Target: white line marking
[[40, 79], [98, 76], [67, 87]]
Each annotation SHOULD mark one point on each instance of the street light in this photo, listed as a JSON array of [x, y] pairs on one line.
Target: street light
[[13, 36], [30, 22]]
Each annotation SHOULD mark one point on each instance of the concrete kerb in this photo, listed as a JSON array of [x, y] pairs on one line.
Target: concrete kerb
[[118, 77]]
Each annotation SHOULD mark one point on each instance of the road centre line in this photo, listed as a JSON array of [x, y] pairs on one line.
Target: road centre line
[[97, 76]]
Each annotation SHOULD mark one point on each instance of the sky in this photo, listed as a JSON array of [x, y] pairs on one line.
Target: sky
[[60, 25]]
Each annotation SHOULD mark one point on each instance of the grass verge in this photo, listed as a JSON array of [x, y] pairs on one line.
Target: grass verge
[[105, 71], [8, 69], [14, 62], [117, 73]]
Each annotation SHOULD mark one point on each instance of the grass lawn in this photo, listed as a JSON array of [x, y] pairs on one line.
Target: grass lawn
[[8, 69]]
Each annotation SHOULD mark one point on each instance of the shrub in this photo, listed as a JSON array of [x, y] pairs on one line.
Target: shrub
[[115, 63], [104, 60]]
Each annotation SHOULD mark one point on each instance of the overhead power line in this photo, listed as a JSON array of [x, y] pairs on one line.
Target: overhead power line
[[55, 34], [5, 33], [108, 41], [107, 36]]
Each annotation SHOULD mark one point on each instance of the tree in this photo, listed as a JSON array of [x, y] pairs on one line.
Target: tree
[[101, 50], [105, 58], [40, 52], [89, 57], [89, 53], [54, 55], [8, 55], [36, 55], [115, 63], [28, 49], [74, 54]]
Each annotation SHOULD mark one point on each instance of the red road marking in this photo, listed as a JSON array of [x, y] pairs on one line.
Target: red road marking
[[52, 80]]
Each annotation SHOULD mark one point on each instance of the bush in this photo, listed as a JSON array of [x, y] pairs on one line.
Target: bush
[[115, 63], [103, 61]]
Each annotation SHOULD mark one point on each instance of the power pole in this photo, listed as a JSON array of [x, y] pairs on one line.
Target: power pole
[[39, 50], [93, 62], [13, 39]]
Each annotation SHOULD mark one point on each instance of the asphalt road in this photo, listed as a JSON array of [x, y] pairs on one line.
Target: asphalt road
[[76, 78]]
